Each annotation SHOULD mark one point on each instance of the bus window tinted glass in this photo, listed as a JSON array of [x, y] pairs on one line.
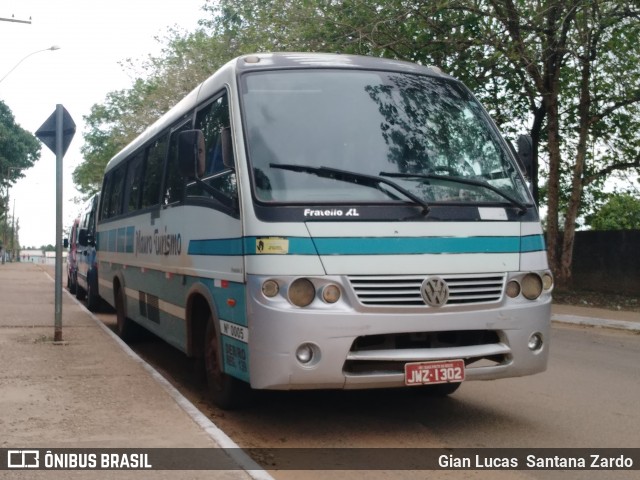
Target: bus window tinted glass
[[212, 120], [116, 193], [156, 153], [174, 182], [134, 182], [369, 122]]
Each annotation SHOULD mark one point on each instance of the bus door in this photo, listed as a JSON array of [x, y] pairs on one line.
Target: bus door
[[215, 235]]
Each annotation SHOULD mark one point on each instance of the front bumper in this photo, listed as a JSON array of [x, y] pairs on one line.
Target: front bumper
[[368, 349]]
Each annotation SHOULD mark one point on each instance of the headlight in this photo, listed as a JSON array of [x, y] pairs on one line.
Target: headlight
[[531, 286], [270, 288], [301, 292], [547, 281], [330, 293], [513, 289]]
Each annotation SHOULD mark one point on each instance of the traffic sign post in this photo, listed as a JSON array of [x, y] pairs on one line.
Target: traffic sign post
[[56, 133]]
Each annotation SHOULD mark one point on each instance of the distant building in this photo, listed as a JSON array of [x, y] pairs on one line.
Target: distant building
[[34, 256]]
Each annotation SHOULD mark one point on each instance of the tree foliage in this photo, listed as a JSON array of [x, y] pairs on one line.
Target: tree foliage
[[19, 150], [566, 71], [186, 60], [620, 212], [108, 128]]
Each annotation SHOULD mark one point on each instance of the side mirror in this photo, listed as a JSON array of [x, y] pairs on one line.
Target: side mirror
[[191, 159], [525, 154], [65, 243]]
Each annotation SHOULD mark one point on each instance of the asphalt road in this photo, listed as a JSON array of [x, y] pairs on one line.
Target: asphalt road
[[587, 398]]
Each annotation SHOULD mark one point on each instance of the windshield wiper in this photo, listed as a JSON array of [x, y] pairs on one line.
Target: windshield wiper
[[355, 178], [522, 208]]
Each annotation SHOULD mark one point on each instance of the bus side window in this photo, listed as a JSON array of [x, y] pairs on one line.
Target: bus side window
[[112, 191], [106, 192], [134, 183], [156, 153], [212, 119], [174, 182]]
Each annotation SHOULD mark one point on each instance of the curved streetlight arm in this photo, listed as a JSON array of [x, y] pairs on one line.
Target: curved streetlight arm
[[54, 47]]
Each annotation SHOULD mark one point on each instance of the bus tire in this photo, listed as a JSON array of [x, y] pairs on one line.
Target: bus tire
[[125, 327], [71, 284], [227, 392], [80, 292], [93, 300]]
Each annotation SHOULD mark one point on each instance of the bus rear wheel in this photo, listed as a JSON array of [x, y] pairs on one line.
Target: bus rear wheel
[[227, 392]]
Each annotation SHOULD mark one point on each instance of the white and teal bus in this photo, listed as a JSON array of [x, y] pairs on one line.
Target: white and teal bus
[[316, 221]]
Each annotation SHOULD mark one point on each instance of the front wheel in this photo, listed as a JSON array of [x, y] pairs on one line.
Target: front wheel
[[227, 392]]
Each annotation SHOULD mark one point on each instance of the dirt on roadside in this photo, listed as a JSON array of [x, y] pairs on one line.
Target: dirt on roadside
[[608, 301]]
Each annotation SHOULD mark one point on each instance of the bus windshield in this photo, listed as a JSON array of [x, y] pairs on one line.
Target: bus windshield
[[427, 135]]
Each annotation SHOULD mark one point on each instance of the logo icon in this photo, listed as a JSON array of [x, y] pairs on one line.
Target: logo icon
[[23, 458], [435, 291]]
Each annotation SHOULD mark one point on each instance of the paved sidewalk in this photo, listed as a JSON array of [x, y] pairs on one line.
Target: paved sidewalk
[[88, 391], [596, 317]]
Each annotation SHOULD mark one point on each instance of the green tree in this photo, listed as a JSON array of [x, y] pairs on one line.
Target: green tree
[[620, 212], [186, 60], [19, 150], [109, 127]]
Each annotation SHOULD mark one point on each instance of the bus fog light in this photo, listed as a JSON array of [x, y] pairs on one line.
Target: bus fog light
[[331, 293], [308, 354], [535, 342], [301, 292], [531, 286], [270, 288], [513, 289]]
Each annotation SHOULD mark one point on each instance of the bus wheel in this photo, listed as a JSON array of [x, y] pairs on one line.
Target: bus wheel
[[125, 327], [80, 293], [71, 284], [226, 391], [93, 300]]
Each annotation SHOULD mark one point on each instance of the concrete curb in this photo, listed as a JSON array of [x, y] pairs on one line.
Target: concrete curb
[[596, 322]]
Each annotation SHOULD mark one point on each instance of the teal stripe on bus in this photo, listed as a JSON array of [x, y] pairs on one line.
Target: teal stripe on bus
[[219, 247], [373, 245], [532, 243], [416, 245]]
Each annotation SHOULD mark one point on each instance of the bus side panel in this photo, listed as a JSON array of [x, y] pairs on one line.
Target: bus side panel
[[159, 261]]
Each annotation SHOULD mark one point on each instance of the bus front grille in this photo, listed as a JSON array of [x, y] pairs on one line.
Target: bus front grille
[[405, 290]]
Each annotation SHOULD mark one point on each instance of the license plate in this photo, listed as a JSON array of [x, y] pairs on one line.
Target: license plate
[[431, 373]]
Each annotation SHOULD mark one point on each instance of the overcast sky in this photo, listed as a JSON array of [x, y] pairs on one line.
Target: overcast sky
[[93, 36]]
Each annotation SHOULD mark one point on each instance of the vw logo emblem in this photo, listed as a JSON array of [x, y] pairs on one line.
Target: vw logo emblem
[[435, 291]]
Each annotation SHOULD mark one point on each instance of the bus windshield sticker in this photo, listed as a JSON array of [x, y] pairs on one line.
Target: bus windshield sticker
[[488, 213]]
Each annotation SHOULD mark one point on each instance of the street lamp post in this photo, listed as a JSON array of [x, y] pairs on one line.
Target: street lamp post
[[52, 48]]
